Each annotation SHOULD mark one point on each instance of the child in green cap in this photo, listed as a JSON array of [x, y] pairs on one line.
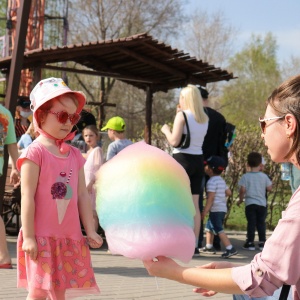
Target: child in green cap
[[116, 132]]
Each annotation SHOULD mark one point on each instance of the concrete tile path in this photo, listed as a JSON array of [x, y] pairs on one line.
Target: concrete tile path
[[122, 278]]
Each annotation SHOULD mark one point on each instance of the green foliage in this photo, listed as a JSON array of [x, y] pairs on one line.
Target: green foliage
[[258, 74], [2, 17], [248, 140]]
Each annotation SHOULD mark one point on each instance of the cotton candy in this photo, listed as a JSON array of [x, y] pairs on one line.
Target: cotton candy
[[145, 205]]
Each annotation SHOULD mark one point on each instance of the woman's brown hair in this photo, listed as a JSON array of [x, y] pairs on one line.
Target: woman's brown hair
[[285, 99]]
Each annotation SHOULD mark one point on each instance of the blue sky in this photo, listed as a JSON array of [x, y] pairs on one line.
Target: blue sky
[[281, 17]]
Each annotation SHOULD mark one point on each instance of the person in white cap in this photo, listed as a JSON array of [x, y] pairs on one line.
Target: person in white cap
[[53, 256]]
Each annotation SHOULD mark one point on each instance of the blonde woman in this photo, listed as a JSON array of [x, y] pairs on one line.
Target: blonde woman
[[191, 158]]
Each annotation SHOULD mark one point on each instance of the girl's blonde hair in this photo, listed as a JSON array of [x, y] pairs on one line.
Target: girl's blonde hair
[[194, 102]]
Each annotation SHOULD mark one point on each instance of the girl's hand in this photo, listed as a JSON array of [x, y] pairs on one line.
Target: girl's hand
[[29, 246], [212, 265], [162, 267], [94, 240]]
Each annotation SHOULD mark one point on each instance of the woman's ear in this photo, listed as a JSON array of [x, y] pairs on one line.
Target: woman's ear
[[291, 125]]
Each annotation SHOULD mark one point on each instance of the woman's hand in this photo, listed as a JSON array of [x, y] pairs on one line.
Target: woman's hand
[[162, 267], [212, 265], [29, 246], [94, 240], [165, 129]]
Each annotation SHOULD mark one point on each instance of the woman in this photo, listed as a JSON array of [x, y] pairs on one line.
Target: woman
[[279, 262], [191, 158], [94, 160]]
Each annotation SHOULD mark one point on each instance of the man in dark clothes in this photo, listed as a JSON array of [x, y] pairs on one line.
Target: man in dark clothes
[[213, 144]]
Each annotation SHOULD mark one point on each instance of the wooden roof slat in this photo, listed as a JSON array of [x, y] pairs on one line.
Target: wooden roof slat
[[138, 59], [153, 63]]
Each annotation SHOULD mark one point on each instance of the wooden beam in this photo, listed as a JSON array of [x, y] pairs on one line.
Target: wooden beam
[[101, 104], [102, 74], [152, 62]]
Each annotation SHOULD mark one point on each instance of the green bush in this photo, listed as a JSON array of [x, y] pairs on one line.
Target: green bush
[[248, 139]]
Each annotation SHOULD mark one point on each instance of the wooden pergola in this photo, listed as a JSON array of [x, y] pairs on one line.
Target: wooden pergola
[[139, 60]]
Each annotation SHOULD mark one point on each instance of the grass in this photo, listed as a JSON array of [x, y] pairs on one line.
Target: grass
[[237, 219]]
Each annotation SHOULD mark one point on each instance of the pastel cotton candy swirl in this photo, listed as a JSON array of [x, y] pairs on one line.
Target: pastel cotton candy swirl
[[145, 205]]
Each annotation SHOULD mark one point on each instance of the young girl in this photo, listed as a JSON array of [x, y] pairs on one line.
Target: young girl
[[53, 257], [279, 261], [94, 160]]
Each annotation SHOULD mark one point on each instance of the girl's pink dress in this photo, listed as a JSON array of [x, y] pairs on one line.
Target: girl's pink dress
[[93, 163], [63, 260]]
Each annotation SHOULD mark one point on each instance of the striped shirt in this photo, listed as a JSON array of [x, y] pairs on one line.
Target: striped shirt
[[20, 129], [217, 185]]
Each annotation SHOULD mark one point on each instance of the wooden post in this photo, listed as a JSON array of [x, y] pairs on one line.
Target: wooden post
[[14, 76], [102, 102], [149, 101]]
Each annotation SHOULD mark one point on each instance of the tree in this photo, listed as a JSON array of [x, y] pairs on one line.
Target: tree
[[131, 106], [210, 37], [258, 74], [109, 19], [290, 67]]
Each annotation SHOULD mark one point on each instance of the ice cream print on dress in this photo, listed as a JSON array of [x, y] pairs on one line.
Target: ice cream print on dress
[[62, 193]]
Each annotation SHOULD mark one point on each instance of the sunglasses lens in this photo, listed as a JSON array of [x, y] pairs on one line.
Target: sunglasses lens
[[63, 117], [75, 118]]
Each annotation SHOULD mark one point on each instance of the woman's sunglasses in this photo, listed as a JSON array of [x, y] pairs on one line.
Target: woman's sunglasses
[[63, 117], [263, 123]]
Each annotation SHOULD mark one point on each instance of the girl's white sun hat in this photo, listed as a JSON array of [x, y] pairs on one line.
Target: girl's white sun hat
[[50, 88]]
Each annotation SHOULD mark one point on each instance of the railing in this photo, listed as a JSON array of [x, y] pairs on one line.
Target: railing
[[2, 46]]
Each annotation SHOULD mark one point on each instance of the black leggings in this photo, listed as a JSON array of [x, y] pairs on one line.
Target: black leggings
[[194, 167]]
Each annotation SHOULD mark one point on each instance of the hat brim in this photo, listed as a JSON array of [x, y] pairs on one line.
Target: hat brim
[[79, 95], [104, 128]]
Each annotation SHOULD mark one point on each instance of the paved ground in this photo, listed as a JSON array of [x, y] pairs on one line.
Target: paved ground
[[122, 278]]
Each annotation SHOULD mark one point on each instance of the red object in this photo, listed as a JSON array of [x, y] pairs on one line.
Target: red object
[[6, 266]]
